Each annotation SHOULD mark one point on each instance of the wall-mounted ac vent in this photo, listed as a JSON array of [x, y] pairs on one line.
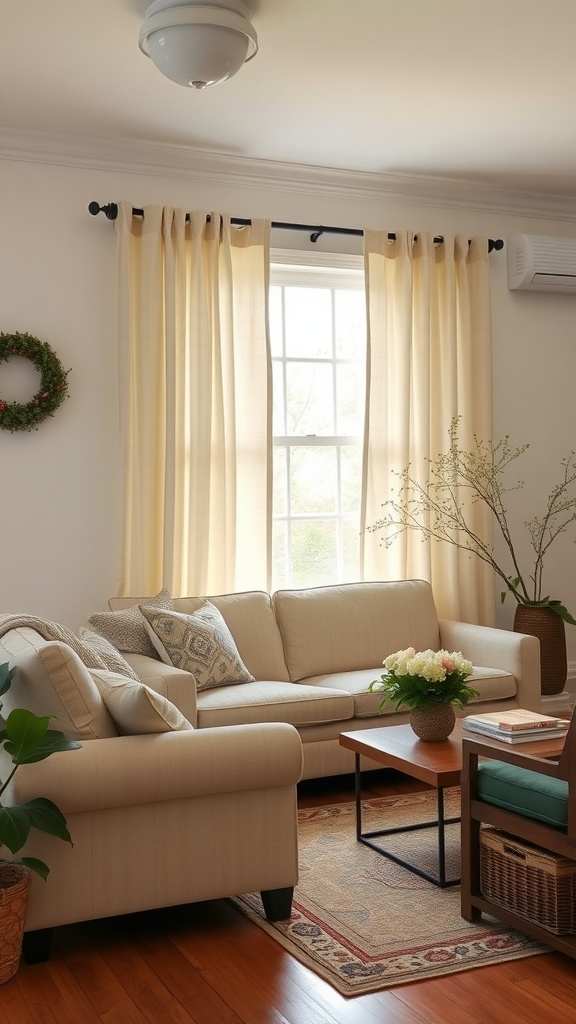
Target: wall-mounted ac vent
[[541, 263]]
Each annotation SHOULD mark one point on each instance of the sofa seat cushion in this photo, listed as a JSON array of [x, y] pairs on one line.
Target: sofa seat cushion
[[490, 683], [356, 683], [273, 702], [524, 792]]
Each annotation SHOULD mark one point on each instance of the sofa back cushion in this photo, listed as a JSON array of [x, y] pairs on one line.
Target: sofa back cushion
[[50, 679], [250, 619], [353, 626]]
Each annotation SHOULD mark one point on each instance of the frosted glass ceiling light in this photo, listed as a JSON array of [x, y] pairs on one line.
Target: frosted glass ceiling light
[[198, 44]]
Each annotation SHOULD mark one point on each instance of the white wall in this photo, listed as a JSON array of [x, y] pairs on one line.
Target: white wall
[[59, 520]]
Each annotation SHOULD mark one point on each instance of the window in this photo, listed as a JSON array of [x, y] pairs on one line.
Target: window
[[318, 340]]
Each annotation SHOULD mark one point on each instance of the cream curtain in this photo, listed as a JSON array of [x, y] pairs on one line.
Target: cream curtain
[[195, 402], [429, 359]]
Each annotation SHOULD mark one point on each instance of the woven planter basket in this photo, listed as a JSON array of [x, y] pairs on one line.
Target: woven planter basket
[[14, 888], [550, 630], [433, 724]]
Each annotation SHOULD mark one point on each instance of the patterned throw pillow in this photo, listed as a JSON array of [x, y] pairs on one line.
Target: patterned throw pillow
[[110, 655], [200, 643], [125, 628], [135, 708]]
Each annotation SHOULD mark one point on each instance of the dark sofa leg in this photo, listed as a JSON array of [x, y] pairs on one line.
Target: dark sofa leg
[[277, 903], [36, 946]]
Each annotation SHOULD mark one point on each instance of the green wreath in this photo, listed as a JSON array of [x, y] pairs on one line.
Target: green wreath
[[53, 382]]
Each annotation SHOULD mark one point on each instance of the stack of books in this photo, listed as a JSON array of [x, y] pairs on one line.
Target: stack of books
[[516, 726]]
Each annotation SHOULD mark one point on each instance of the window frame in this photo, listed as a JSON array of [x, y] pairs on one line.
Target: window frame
[[294, 268]]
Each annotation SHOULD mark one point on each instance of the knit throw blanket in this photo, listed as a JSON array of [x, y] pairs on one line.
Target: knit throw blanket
[[53, 631]]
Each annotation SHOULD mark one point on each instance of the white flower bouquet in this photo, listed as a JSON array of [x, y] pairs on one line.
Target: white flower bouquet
[[425, 679]]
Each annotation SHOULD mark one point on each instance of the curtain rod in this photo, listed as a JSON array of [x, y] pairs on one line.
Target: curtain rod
[[110, 210]]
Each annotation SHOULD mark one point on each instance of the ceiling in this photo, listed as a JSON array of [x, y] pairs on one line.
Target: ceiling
[[482, 91]]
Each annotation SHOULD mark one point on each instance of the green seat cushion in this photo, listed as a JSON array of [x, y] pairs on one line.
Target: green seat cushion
[[525, 792]]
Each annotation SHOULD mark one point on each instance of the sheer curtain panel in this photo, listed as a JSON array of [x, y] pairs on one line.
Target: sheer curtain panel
[[429, 360], [195, 402]]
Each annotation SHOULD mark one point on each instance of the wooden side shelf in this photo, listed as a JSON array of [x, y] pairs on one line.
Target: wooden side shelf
[[550, 840], [563, 943]]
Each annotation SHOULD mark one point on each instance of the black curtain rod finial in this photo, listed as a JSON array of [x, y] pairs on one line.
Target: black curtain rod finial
[[109, 209]]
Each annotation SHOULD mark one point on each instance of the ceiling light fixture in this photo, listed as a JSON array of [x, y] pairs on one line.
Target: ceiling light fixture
[[198, 44]]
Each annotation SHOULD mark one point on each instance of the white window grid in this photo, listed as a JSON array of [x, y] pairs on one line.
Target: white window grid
[[332, 271]]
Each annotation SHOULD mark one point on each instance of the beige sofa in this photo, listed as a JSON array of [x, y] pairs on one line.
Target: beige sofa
[[158, 818], [313, 653]]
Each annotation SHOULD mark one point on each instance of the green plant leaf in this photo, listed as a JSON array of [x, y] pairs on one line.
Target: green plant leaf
[[555, 606], [53, 743], [27, 737], [24, 732], [41, 814], [14, 828], [6, 674], [46, 817], [559, 609], [513, 584], [32, 863], [36, 865]]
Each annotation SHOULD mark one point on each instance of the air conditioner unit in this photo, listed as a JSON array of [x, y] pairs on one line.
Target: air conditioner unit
[[541, 263]]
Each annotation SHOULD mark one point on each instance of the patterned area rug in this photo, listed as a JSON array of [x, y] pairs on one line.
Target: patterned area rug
[[362, 922]]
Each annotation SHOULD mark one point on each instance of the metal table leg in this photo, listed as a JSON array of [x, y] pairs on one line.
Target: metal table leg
[[440, 823]]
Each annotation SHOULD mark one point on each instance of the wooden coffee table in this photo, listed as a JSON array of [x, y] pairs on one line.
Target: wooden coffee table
[[437, 764]]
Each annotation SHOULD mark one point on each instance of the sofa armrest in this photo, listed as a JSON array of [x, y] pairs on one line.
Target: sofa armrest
[[175, 684], [515, 653], [127, 770]]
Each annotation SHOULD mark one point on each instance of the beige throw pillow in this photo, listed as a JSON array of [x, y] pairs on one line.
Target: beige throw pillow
[[110, 655], [135, 708], [200, 643], [125, 627]]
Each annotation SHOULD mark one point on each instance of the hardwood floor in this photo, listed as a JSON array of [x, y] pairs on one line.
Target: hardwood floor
[[208, 964]]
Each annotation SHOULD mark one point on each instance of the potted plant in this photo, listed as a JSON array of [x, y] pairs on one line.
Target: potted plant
[[25, 738], [429, 683], [437, 508]]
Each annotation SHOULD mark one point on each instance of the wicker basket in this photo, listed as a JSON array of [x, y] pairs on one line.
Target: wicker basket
[[529, 881], [550, 630], [14, 887]]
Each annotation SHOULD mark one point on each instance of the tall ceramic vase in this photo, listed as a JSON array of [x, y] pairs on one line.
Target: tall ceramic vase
[[550, 630]]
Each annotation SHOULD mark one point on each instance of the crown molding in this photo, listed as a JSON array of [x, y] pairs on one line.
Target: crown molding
[[183, 162]]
